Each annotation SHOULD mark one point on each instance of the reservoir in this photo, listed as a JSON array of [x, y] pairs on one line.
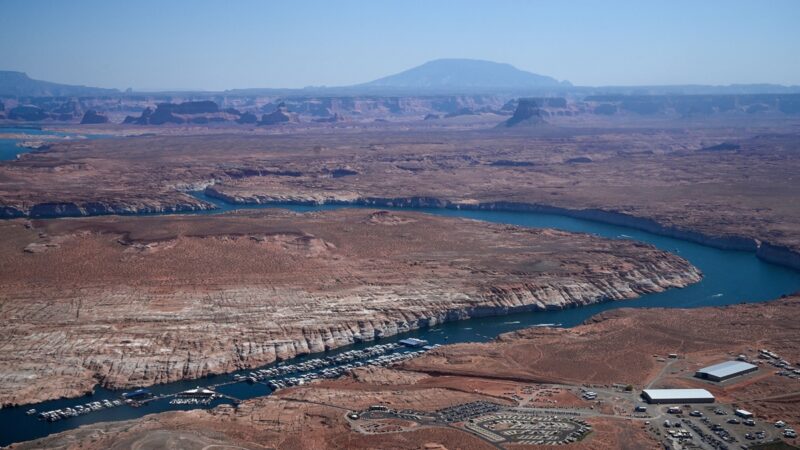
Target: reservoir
[[729, 277], [9, 148]]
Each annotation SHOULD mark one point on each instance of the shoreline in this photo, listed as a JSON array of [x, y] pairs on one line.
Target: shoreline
[[391, 329], [438, 317], [766, 251], [763, 251]]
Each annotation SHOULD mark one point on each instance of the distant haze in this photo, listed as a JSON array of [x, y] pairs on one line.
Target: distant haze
[[213, 45], [464, 73]]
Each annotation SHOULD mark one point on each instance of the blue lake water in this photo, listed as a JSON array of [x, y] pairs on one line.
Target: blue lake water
[[729, 277], [9, 149]]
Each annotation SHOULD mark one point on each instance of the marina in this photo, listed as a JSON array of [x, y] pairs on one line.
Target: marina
[[78, 410], [278, 377]]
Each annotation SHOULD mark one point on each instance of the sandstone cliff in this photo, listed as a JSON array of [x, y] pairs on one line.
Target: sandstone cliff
[[219, 293]]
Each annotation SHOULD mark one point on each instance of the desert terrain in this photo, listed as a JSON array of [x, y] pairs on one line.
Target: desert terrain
[[533, 368], [385, 225], [130, 301], [728, 186], [632, 341], [124, 300]]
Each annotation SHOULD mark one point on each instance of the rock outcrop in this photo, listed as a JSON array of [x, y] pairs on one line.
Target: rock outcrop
[[612, 108], [528, 112], [247, 119], [143, 119], [28, 113], [279, 116], [195, 112], [92, 117]]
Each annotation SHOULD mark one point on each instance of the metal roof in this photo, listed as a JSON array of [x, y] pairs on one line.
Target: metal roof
[[414, 342], [727, 368], [678, 394]]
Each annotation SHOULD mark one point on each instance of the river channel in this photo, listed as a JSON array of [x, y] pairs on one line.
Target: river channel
[[729, 277]]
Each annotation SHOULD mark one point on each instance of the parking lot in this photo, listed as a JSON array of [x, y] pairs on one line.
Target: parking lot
[[710, 427], [461, 413], [528, 429], [697, 426]]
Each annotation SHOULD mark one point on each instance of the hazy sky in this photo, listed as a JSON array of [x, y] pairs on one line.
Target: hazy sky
[[230, 44]]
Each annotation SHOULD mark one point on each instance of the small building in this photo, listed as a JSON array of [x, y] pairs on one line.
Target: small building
[[677, 396], [725, 370], [414, 342]]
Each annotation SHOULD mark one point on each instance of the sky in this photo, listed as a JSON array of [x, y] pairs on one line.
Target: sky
[[217, 45]]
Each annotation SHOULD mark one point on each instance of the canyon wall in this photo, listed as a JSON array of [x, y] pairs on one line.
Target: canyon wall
[[214, 294]]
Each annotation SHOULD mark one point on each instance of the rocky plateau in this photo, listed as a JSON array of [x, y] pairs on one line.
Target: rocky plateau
[[133, 301]]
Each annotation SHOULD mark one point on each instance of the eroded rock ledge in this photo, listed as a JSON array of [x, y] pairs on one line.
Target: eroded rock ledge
[[176, 203], [180, 297]]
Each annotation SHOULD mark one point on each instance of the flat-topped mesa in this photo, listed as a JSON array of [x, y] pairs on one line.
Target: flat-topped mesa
[[92, 117], [195, 112], [280, 115], [198, 107], [226, 292], [528, 112]]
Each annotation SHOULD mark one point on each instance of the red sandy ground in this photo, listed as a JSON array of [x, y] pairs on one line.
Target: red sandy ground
[[314, 416]]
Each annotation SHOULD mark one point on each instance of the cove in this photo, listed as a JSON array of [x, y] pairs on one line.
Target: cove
[[730, 277], [9, 148]]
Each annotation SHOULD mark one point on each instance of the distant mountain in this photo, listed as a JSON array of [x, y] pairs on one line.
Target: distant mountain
[[465, 74], [20, 85]]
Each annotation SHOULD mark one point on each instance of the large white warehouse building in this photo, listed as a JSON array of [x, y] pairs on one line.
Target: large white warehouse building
[[677, 396], [725, 370]]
